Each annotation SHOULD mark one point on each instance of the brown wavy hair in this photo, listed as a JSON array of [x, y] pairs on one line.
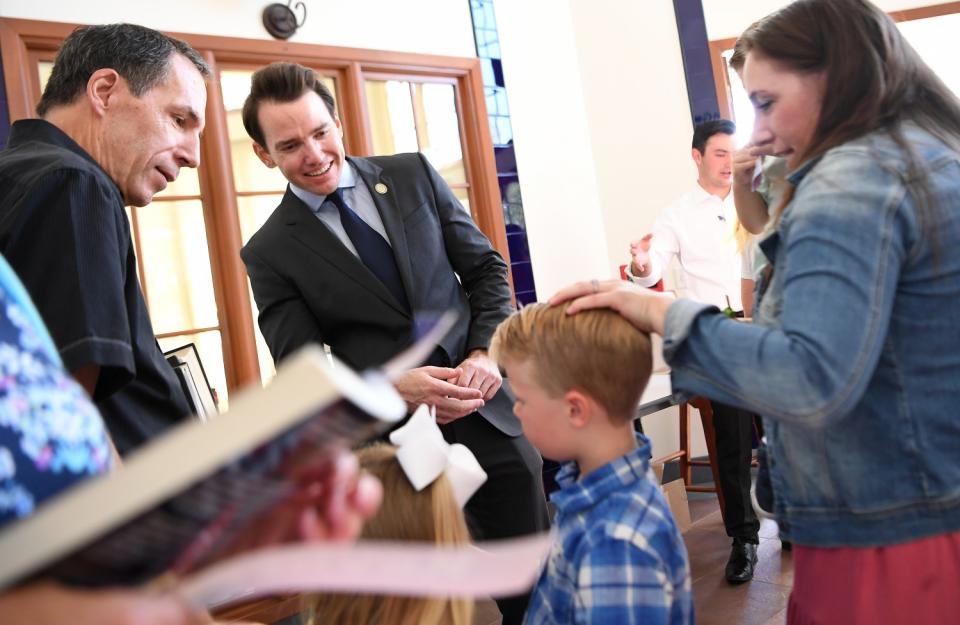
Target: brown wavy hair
[[874, 79]]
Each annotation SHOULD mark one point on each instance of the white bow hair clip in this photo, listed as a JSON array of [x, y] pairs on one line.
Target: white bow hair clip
[[424, 456]]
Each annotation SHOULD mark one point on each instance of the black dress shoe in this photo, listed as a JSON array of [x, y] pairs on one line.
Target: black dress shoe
[[743, 558]]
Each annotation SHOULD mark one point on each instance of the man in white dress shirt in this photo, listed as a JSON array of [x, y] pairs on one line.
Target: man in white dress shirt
[[698, 229]]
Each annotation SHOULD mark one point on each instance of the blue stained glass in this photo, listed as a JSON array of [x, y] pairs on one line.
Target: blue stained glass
[[502, 107], [492, 108], [486, 70], [505, 130], [494, 134], [522, 275], [487, 42], [491, 21]]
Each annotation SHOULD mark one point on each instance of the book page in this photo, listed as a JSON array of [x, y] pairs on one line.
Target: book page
[[494, 568]]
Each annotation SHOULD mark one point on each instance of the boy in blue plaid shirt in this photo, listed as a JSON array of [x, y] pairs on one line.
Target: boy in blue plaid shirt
[[619, 557]]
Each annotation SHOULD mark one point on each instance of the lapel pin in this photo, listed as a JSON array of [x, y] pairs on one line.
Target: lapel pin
[[380, 188]]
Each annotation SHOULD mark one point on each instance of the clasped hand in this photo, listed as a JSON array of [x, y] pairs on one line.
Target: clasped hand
[[455, 392]]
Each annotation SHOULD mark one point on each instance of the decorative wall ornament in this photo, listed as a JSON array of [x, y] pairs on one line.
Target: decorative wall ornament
[[280, 20]]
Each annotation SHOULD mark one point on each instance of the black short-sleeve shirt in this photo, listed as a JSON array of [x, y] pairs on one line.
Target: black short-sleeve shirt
[[64, 231]]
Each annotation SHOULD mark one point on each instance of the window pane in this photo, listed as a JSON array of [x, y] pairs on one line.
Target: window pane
[[254, 210], [44, 68], [187, 184], [391, 117], [176, 264], [439, 127], [249, 173], [267, 370], [210, 348]]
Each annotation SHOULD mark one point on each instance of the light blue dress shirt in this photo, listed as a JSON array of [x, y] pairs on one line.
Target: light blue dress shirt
[[357, 196]]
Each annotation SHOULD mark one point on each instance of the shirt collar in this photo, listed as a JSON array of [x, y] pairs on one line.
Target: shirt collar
[[576, 495], [702, 195], [348, 180]]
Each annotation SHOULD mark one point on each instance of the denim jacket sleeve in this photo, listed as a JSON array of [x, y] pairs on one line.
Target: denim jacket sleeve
[[843, 240]]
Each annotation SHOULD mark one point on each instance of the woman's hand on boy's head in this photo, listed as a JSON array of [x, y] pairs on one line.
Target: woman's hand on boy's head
[[645, 309], [479, 371]]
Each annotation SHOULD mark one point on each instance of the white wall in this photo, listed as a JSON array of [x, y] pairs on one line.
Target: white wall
[[729, 19], [602, 133], [637, 113], [602, 127], [424, 26], [554, 148]]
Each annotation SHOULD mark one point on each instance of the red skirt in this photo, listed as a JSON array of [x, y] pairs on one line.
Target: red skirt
[[916, 582]]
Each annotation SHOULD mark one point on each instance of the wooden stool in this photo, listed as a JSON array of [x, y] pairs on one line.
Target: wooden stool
[[687, 462]]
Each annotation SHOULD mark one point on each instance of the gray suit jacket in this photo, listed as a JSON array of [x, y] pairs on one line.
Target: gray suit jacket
[[310, 288]]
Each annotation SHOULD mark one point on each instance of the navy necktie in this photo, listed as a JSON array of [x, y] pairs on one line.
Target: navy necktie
[[372, 248]]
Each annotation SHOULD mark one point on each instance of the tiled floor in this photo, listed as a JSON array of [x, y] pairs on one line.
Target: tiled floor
[[760, 602]]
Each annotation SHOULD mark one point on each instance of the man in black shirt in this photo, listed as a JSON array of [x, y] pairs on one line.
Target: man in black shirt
[[121, 114]]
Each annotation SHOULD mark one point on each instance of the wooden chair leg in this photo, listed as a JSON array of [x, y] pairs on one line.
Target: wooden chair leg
[[710, 435], [686, 469], [687, 461]]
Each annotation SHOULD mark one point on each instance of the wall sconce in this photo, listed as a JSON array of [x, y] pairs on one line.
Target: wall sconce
[[280, 20]]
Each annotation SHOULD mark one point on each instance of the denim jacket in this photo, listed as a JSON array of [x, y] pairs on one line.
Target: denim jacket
[[854, 359]]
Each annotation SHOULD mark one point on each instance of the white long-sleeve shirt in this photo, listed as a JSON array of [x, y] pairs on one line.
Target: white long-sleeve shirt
[[698, 228]]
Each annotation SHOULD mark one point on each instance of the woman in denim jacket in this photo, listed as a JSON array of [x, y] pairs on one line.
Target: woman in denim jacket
[[854, 361]]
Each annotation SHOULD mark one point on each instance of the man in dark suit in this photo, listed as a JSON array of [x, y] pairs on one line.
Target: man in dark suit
[[357, 254]]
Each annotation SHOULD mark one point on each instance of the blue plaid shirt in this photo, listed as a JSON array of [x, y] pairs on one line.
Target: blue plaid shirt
[[619, 557]]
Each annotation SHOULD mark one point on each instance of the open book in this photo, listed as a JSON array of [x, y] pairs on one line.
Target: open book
[[185, 500]]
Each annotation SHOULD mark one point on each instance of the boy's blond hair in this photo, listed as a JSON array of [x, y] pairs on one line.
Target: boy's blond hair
[[431, 515], [596, 352]]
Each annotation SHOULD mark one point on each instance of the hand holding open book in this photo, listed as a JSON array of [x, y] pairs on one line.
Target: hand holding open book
[[254, 477]]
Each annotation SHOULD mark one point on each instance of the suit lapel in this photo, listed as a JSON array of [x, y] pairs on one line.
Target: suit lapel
[[386, 203], [313, 233]]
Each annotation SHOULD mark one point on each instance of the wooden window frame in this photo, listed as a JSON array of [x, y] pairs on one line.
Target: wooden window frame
[[721, 78], [24, 42], [440, 80]]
